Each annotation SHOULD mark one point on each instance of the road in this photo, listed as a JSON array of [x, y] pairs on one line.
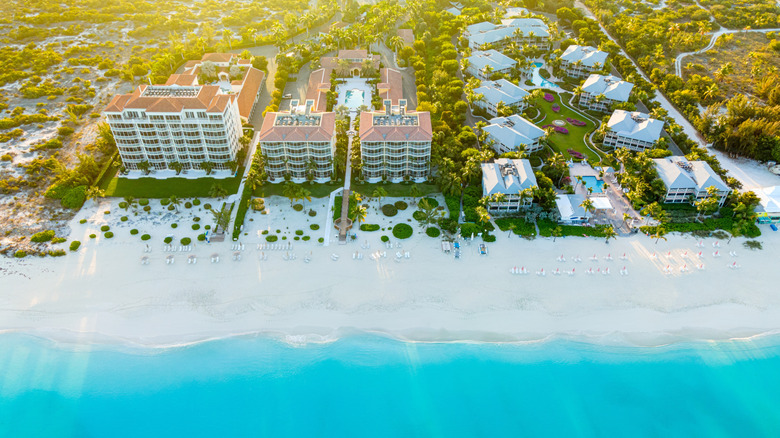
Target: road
[[715, 36]]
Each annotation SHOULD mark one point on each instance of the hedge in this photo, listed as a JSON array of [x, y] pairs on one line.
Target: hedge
[[453, 205], [432, 232], [75, 197], [522, 227], [271, 238], [402, 231], [369, 227], [389, 210], [546, 226]]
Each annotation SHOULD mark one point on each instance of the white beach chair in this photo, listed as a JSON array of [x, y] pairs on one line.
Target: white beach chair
[[407, 255]]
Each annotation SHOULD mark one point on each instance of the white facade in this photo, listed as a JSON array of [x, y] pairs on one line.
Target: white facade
[[580, 61], [163, 125], [531, 31], [632, 130], [688, 181], [610, 88], [507, 178], [513, 133], [495, 92], [483, 64]]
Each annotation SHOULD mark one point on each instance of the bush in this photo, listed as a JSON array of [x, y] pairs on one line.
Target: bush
[[133, 232], [312, 213], [196, 219], [143, 202], [146, 237], [448, 225], [58, 240], [297, 238], [522, 227], [92, 236], [147, 208], [299, 232], [298, 207], [271, 238], [105, 228], [389, 210], [83, 221], [207, 206], [418, 215], [207, 227], [74, 246], [402, 231], [384, 238], [432, 231], [164, 202], [321, 240], [109, 234], [432, 202], [75, 197], [20, 254], [185, 241], [488, 238], [188, 204], [43, 236], [171, 207], [306, 238], [107, 212], [201, 237], [174, 225], [314, 227], [401, 205], [196, 202], [168, 239], [123, 218], [195, 227], [56, 253], [123, 205], [369, 227]]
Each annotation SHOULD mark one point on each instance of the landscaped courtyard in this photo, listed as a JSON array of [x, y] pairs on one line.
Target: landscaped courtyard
[[569, 135]]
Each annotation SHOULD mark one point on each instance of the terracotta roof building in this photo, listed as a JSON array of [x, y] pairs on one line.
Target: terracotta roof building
[[355, 58], [299, 143]]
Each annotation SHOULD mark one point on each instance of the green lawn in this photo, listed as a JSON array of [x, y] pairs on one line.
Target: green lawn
[[164, 188], [575, 138], [317, 190], [367, 190]]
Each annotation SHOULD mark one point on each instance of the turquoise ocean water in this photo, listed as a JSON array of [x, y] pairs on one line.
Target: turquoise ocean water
[[370, 386]]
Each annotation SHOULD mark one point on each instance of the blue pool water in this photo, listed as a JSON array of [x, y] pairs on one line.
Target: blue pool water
[[372, 386], [354, 98], [538, 80], [592, 181]]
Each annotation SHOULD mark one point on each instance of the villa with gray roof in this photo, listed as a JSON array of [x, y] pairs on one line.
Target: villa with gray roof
[[688, 181], [514, 133], [483, 64], [495, 92], [531, 31], [508, 178], [632, 130], [580, 61], [611, 89]]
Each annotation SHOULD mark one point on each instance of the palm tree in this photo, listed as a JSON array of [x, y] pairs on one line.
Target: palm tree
[[660, 233], [609, 233], [511, 228], [290, 191], [95, 192], [379, 193], [626, 217], [482, 215], [360, 214], [227, 35], [396, 43], [415, 192], [177, 166], [145, 166], [217, 191], [556, 232], [129, 202], [579, 179], [587, 204], [208, 166], [175, 201]]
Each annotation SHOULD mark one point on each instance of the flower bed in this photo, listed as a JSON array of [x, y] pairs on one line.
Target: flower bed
[[549, 97], [556, 107], [575, 122], [561, 130], [575, 154]]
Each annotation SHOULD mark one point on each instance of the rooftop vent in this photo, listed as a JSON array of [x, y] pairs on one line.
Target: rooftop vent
[[170, 91]]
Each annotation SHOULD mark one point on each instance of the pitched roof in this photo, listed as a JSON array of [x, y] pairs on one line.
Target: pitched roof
[[407, 35], [679, 173], [271, 131], [507, 176], [182, 79], [635, 125], [495, 59], [590, 56], [391, 84], [250, 86], [378, 126], [769, 200], [489, 33], [610, 86], [319, 84], [218, 57], [501, 91], [170, 98], [513, 131]]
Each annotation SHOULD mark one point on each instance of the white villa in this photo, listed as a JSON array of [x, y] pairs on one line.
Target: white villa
[[768, 209], [513, 133], [570, 210], [483, 65], [508, 178], [580, 61], [531, 31], [395, 144], [688, 181], [610, 88], [495, 92], [299, 143], [632, 130]]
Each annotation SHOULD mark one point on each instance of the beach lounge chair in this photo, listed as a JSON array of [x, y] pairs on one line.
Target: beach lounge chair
[[406, 255], [398, 255]]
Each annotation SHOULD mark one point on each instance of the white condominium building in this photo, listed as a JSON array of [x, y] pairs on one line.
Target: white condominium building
[[580, 61], [632, 130], [298, 144], [507, 178], [483, 65], [514, 133], [500, 91], [688, 181], [531, 31], [395, 145], [160, 125], [600, 92]]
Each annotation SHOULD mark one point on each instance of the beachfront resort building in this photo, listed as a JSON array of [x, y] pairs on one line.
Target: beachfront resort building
[[521, 31], [632, 130], [395, 144], [483, 64], [768, 209], [600, 92], [514, 133], [298, 144], [570, 209], [503, 183], [688, 181], [580, 61], [500, 91], [160, 127]]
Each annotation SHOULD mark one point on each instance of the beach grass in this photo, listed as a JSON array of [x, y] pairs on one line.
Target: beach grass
[[164, 188]]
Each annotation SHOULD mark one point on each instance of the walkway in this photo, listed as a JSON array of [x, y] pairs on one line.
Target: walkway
[[715, 36], [345, 193]]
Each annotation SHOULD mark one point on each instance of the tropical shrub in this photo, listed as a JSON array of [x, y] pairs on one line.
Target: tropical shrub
[[196, 202], [105, 228], [384, 238], [207, 206], [146, 237], [58, 240], [174, 225], [143, 202], [271, 238], [124, 218], [123, 205], [188, 204], [321, 240], [401, 205], [432, 202], [432, 231], [171, 207], [185, 241], [418, 215], [43, 236], [298, 207], [20, 254], [402, 231], [297, 238], [201, 237], [75, 197], [369, 227], [488, 237], [109, 234], [133, 232], [299, 232], [168, 239], [195, 227], [83, 221], [312, 213], [92, 236], [164, 202], [305, 238], [147, 208], [56, 253], [389, 210], [196, 219], [74, 246], [314, 227]]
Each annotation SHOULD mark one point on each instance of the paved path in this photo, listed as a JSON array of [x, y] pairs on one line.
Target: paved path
[[345, 193], [715, 36]]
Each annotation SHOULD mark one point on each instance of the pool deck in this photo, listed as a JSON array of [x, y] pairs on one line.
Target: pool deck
[[354, 84]]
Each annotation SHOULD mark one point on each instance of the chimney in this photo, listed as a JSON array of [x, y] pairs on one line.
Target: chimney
[[388, 105], [309, 105], [402, 106]]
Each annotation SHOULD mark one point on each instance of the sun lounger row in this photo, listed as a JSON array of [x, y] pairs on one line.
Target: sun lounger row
[[174, 248], [237, 247], [273, 246]]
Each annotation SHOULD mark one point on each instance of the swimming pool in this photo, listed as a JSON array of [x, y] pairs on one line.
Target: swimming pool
[[354, 98], [537, 79], [592, 181]]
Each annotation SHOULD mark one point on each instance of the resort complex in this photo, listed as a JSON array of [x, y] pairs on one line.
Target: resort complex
[[506, 184], [690, 181], [600, 92], [500, 92], [634, 131], [580, 61], [531, 31], [514, 133], [484, 64]]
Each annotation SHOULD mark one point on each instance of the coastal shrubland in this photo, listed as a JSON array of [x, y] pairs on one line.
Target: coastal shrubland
[[43, 236]]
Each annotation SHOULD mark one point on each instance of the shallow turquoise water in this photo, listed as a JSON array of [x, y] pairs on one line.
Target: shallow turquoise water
[[353, 99], [377, 387], [592, 181]]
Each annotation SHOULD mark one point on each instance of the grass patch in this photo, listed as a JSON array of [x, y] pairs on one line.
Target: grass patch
[[165, 188], [433, 232], [572, 140], [394, 190], [317, 190], [402, 231], [369, 227], [546, 226], [522, 227]]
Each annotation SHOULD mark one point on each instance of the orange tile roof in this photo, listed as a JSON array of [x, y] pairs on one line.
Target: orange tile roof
[[218, 57], [250, 86], [407, 35], [420, 132], [182, 79], [269, 132], [391, 85], [319, 84], [208, 98]]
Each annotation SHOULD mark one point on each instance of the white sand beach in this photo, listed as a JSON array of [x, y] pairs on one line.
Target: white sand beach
[[103, 291]]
